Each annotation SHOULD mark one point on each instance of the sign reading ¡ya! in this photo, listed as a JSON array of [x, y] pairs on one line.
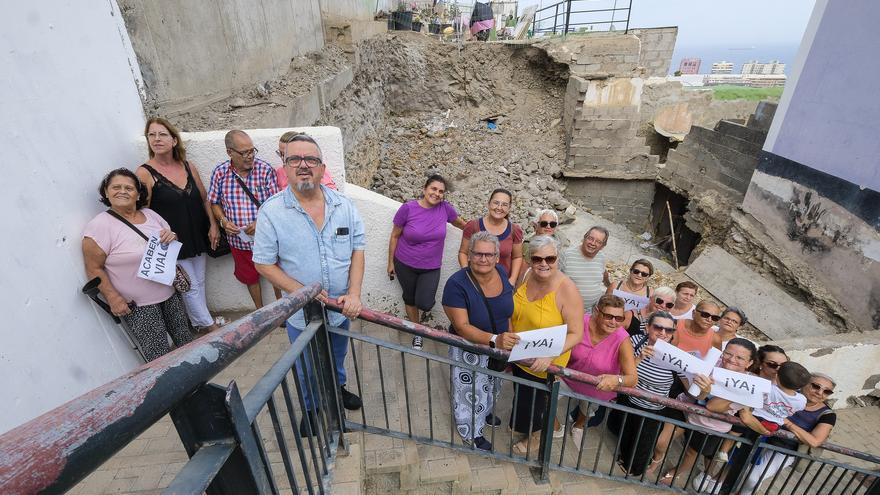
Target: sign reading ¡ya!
[[669, 357], [740, 388], [544, 342], [159, 262], [630, 300]]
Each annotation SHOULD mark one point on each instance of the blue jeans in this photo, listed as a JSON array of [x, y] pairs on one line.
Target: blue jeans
[[339, 346]]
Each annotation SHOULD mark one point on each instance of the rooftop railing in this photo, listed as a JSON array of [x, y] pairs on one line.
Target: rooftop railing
[[571, 16]]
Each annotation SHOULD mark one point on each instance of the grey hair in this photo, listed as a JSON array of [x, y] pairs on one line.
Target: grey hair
[[483, 236], [295, 136], [824, 376], [737, 312], [540, 241], [660, 314], [230, 136], [665, 292], [598, 228], [546, 211]]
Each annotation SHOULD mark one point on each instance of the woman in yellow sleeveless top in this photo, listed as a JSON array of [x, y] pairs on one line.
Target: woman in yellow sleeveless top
[[545, 298]]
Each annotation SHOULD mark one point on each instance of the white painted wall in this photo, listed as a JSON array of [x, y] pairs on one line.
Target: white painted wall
[[70, 107]]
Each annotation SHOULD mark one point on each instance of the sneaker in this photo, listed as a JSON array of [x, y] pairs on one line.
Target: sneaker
[[219, 321], [493, 421], [311, 417], [417, 343], [482, 444], [350, 401], [704, 483], [721, 457], [577, 436]]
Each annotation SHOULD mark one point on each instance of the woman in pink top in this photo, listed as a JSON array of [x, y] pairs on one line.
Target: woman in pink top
[[112, 250], [605, 352]]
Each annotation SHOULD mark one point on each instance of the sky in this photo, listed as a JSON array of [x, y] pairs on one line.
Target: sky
[[737, 30]]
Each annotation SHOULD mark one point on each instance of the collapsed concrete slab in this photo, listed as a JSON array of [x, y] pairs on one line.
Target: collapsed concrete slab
[[770, 309]]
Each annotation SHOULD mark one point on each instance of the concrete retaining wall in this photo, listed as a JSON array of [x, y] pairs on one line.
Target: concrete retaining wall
[[657, 47], [626, 202], [194, 53]]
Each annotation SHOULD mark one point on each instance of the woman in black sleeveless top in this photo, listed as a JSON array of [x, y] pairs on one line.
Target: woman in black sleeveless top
[[175, 192]]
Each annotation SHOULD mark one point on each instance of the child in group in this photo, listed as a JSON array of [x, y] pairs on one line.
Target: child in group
[[738, 355]]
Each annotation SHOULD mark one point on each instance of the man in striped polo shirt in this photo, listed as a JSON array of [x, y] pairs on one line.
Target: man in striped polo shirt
[[585, 265]]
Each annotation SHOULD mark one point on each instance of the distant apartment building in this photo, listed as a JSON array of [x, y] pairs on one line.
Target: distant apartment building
[[750, 80], [722, 67], [689, 66], [774, 67]]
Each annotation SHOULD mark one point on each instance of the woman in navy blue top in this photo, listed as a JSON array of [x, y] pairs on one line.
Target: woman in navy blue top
[[478, 300]]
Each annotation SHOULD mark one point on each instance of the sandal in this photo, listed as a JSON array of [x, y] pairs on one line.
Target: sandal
[[622, 467], [655, 463], [520, 449], [667, 479]]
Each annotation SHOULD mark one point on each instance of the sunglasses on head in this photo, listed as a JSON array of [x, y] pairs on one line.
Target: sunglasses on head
[[818, 388], [545, 224], [706, 314], [636, 271], [607, 317], [772, 364], [536, 260], [661, 302]]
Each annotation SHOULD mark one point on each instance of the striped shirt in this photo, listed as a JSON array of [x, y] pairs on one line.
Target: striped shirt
[[651, 378], [586, 274]]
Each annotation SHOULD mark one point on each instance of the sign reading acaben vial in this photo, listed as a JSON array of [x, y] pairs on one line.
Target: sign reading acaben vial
[[159, 262]]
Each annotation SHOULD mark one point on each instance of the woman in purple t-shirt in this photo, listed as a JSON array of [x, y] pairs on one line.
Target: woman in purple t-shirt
[[415, 249]]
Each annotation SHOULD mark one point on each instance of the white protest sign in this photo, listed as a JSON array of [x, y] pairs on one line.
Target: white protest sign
[[712, 359], [544, 342], [669, 357], [740, 388], [159, 262], [631, 301]]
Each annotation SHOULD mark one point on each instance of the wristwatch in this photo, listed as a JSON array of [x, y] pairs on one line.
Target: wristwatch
[[492, 341]]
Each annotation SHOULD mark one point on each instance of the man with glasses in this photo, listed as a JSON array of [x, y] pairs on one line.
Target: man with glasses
[[585, 266], [281, 175], [310, 233], [238, 187]]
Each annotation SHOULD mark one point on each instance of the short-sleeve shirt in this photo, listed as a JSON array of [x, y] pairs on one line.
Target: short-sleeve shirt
[[513, 234], [124, 249], [424, 232], [286, 235], [236, 204], [778, 405], [587, 275], [460, 292]]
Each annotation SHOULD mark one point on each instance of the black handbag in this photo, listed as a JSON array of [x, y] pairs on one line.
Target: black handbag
[[494, 364], [181, 281]]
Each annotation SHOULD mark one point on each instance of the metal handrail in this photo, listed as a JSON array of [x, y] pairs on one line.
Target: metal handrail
[[564, 8], [54, 451], [455, 340]]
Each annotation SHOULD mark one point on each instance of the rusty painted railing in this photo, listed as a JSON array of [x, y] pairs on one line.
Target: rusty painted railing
[[54, 451]]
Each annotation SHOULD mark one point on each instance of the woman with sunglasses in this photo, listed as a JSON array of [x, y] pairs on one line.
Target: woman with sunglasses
[[604, 352], [651, 378], [545, 223], [811, 426], [696, 336], [497, 222], [637, 319], [770, 358], [634, 289], [546, 298], [415, 247], [175, 191]]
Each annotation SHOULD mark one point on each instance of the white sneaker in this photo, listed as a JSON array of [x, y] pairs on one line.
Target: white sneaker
[[577, 435], [707, 486]]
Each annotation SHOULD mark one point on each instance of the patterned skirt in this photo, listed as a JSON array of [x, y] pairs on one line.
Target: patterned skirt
[[472, 393]]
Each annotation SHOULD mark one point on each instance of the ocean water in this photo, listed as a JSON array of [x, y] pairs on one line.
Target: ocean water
[[738, 55]]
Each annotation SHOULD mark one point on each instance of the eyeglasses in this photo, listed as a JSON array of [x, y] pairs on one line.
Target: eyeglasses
[[818, 388], [636, 271], [733, 357], [545, 224], [295, 160], [771, 364], [160, 135], [661, 302], [706, 314], [279, 153], [731, 320], [664, 329], [250, 152], [608, 317], [536, 260], [500, 204], [478, 255]]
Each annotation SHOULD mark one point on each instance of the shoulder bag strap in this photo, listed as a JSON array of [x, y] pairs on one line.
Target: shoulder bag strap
[[485, 301], [126, 222], [246, 190]]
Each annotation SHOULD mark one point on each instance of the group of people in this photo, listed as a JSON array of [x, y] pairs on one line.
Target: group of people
[[292, 227], [612, 327]]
